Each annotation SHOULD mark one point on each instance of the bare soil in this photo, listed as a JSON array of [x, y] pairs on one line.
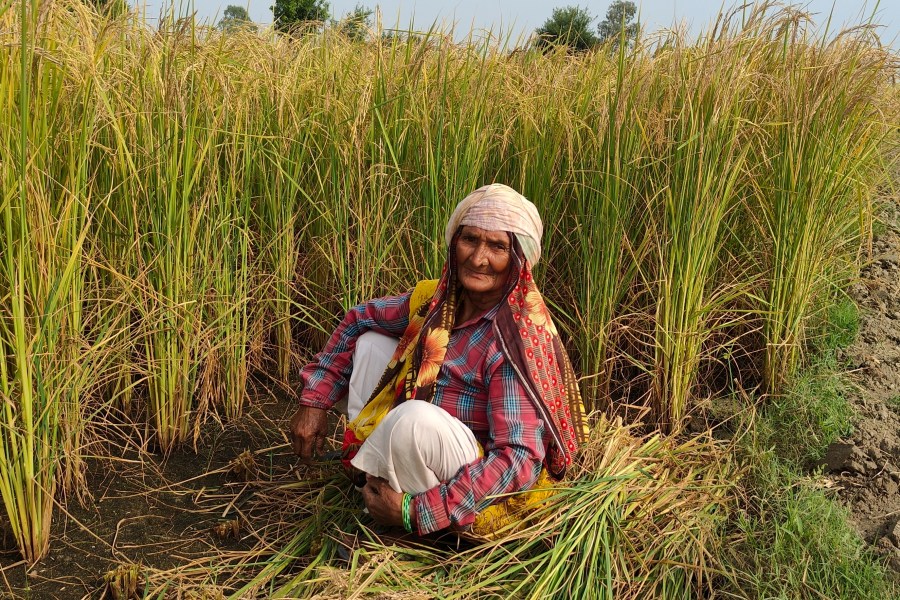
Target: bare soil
[[154, 511], [865, 468]]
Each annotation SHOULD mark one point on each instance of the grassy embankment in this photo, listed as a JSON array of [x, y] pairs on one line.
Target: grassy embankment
[[183, 208]]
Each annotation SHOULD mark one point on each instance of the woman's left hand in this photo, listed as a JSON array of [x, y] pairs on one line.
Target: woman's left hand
[[384, 504]]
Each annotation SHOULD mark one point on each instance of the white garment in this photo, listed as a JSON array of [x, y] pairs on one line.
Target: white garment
[[416, 447], [370, 358]]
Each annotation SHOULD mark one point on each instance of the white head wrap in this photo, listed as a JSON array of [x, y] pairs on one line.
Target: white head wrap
[[498, 207]]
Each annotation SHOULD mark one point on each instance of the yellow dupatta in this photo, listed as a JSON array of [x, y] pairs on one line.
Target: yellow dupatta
[[384, 397]]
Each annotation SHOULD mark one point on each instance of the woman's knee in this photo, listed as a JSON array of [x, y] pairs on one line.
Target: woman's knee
[[416, 414], [440, 440]]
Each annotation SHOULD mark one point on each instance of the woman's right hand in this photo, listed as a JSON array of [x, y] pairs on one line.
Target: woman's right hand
[[307, 431]]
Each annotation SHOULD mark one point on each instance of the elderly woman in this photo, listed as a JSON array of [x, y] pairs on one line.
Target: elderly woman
[[459, 392]]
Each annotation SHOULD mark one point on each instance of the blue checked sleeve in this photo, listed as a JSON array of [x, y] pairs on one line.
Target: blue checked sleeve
[[326, 378]]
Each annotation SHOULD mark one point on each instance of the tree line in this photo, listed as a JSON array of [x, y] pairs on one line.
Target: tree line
[[569, 26]]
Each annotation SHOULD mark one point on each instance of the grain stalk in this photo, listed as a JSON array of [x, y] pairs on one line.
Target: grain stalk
[[821, 140]]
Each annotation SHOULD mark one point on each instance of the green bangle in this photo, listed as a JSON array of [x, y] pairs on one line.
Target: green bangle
[[407, 512]]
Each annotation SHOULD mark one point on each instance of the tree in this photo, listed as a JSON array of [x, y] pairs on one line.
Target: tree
[[619, 17], [356, 24], [288, 14], [235, 17], [569, 26]]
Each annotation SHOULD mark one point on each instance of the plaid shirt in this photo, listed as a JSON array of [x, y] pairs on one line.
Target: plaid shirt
[[476, 385]]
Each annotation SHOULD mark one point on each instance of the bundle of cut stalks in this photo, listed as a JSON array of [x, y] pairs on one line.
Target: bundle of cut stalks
[[637, 519]]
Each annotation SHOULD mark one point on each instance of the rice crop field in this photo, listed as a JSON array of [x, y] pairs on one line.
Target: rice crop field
[[187, 213]]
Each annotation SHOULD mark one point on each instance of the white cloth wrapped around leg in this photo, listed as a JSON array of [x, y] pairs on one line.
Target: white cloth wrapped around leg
[[371, 356], [416, 447]]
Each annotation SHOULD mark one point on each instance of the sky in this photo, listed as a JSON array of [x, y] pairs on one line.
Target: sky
[[521, 17]]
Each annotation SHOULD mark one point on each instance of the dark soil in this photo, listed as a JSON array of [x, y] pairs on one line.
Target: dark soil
[[151, 510], [866, 467]]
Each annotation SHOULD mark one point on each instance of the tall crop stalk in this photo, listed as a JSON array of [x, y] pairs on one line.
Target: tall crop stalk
[[604, 222], [821, 134], [227, 310], [352, 234], [537, 124], [287, 155], [28, 439], [458, 137], [693, 186], [234, 287], [174, 237], [74, 200], [45, 355]]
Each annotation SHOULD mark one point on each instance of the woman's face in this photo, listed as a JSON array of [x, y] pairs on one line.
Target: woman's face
[[483, 260]]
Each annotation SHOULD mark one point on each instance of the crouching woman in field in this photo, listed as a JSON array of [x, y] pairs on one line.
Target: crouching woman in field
[[459, 392]]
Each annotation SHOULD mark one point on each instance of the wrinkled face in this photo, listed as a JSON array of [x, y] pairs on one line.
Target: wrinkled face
[[483, 260]]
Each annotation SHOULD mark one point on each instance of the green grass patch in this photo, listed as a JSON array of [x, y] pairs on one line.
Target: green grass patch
[[793, 540], [812, 414], [813, 411], [879, 227], [796, 542], [836, 328], [843, 325], [894, 403]]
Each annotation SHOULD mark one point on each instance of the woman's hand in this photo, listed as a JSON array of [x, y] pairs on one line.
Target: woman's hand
[[384, 504], [307, 431]]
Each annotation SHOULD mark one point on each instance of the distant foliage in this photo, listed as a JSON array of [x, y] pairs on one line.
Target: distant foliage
[[619, 17], [568, 26], [356, 24], [572, 26], [235, 17], [289, 14]]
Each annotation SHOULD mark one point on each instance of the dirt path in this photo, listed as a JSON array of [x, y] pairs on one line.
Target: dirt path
[[866, 467]]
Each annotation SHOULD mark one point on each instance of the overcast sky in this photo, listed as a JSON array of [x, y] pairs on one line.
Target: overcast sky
[[517, 17]]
